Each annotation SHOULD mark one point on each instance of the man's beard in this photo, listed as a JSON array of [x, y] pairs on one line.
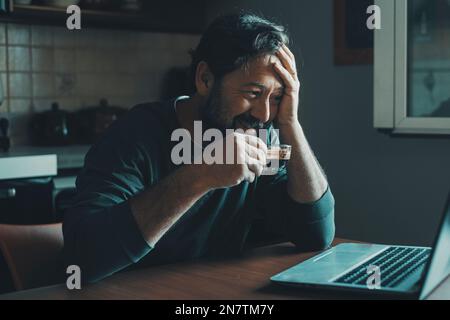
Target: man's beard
[[214, 114]]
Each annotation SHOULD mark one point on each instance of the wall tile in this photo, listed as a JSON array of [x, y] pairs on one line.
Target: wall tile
[[4, 107], [2, 33], [43, 85], [87, 84], [124, 85], [64, 60], [154, 41], [2, 58], [69, 104], [125, 39], [41, 36], [89, 101], [148, 61], [18, 34], [77, 69], [42, 59], [19, 106], [66, 84], [124, 61], [19, 122], [63, 38], [85, 61], [19, 59], [3, 90], [105, 62], [90, 38], [19, 85], [124, 102], [148, 87], [42, 105], [180, 59]]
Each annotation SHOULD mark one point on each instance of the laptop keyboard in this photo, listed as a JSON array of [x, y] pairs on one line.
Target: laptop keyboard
[[395, 263]]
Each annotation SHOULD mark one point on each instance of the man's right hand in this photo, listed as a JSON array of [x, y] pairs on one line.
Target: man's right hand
[[248, 162]]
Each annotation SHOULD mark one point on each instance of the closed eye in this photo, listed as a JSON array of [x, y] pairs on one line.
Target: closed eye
[[277, 99]]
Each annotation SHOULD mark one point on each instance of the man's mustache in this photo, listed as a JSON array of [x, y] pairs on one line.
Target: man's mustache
[[250, 122]]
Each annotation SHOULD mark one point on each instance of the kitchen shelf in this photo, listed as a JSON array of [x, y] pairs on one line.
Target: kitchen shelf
[[162, 18]]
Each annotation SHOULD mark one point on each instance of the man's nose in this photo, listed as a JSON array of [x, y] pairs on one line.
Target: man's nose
[[262, 111]]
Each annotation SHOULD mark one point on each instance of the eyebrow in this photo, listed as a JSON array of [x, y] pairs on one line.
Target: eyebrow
[[261, 86]]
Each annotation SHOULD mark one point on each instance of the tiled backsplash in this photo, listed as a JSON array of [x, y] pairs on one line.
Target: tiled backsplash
[[40, 64]]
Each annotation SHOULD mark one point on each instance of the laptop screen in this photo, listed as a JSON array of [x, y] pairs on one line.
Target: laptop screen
[[439, 266]]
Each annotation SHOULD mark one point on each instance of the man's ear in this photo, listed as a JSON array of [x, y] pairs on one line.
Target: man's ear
[[204, 79]]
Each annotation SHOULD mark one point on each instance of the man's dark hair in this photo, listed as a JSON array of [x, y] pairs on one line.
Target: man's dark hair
[[232, 40]]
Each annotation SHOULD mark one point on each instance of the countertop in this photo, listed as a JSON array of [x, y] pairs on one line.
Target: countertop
[[29, 161]]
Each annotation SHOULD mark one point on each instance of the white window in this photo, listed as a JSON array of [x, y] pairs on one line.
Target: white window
[[412, 67]]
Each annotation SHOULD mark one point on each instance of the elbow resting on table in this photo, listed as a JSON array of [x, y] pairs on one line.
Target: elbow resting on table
[[76, 253], [318, 234], [102, 242]]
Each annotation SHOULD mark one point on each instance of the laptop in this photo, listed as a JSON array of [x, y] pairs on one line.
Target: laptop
[[411, 272]]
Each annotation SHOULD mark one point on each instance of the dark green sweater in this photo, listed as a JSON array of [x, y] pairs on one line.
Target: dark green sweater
[[102, 237]]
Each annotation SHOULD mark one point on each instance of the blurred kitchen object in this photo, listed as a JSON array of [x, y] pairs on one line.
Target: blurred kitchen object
[[92, 122], [2, 94], [61, 3], [4, 139], [131, 5], [100, 4], [51, 128], [4, 124], [26, 2]]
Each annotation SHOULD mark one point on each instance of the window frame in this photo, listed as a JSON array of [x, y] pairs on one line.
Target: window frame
[[390, 75]]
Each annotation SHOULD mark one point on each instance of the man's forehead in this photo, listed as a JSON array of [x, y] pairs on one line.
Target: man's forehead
[[260, 71]]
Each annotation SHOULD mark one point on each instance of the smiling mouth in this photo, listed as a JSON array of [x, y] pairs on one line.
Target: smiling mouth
[[245, 126]]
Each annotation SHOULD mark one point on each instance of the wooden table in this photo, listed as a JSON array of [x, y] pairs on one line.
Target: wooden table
[[234, 279]]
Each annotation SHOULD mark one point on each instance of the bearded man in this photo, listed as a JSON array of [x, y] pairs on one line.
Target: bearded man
[[135, 206]]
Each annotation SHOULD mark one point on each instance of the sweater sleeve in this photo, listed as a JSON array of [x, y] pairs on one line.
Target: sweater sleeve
[[101, 235], [310, 226]]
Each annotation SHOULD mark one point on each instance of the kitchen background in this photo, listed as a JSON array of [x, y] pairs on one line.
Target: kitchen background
[[40, 65], [387, 188]]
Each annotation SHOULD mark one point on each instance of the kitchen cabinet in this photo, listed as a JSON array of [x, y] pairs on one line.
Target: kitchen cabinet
[[26, 187], [37, 184], [160, 16], [26, 201]]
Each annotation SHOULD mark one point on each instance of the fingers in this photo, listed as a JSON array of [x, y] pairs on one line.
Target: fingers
[[255, 155], [250, 176], [252, 139], [288, 60], [289, 81], [255, 160], [291, 55], [255, 170]]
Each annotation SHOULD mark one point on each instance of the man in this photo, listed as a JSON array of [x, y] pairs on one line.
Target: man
[[134, 204]]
